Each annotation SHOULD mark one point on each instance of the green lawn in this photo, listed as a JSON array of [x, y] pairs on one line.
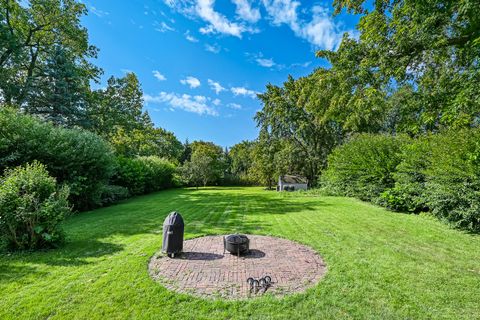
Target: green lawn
[[381, 264]]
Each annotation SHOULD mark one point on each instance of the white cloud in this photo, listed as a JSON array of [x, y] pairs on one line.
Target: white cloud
[[191, 81], [259, 59], [303, 65], [321, 31], [267, 63], [163, 27], [99, 13], [245, 11], [215, 86], [217, 102], [195, 104], [235, 106], [213, 48], [158, 75], [218, 23], [314, 24], [283, 12], [189, 37], [241, 91]]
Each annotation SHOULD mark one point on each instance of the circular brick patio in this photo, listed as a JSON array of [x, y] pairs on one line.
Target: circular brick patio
[[204, 270]]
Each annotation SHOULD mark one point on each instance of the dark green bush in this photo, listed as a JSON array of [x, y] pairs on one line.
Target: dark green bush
[[144, 174], [439, 173], [130, 174], [75, 157], [363, 167], [158, 173], [112, 194], [452, 186], [408, 194], [31, 208]]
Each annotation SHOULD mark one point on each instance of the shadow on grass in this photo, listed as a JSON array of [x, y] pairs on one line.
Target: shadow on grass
[[11, 272], [72, 254]]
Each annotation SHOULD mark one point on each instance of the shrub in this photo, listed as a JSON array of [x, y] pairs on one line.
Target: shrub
[[408, 194], [452, 184], [241, 179], [130, 174], [75, 157], [31, 208], [158, 173], [363, 167], [112, 194], [144, 174]]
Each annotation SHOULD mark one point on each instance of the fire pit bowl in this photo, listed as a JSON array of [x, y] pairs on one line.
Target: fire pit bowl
[[236, 244]]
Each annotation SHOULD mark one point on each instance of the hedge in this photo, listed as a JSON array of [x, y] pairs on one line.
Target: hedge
[[363, 167], [77, 158], [437, 173], [143, 175]]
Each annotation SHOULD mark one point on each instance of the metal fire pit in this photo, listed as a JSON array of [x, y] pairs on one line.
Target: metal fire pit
[[236, 244]]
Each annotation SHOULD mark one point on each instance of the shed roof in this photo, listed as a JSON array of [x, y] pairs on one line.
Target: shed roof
[[288, 178]]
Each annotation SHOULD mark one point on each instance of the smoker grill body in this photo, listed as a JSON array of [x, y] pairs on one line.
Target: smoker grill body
[[173, 228], [236, 244]]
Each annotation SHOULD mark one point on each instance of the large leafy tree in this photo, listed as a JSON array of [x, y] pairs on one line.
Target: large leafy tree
[[263, 167], [148, 141], [207, 164], [117, 114], [422, 54], [118, 107], [285, 117], [45, 57], [241, 158], [414, 68]]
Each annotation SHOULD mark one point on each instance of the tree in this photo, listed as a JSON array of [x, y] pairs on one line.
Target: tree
[[206, 166], [148, 141], [43, 41], [199, 170], [263, 167], [286, 119], [117, 114], [427, 49], [241, 158], [60, 95], [118, 107], [187, 152]]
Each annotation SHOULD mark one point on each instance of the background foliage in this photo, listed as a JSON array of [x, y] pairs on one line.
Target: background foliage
[[75, 157], [437, 173]]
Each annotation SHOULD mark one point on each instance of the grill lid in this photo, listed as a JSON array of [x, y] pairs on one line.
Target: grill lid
[[173, 219]]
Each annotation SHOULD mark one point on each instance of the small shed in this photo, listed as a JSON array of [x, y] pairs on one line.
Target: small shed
[[290, 182]]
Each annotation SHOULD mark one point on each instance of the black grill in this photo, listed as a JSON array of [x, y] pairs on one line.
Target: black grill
[[173, 228]]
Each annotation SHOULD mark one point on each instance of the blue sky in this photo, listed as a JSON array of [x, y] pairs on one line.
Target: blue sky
[[201, 62]]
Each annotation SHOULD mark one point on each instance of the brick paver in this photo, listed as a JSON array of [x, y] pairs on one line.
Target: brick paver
[[204, 270]]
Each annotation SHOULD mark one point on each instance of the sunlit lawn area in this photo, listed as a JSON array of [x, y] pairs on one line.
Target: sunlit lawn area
[[381, 264]]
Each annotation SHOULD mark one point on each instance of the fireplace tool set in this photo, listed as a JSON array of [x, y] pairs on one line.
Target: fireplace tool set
[[261, 285]]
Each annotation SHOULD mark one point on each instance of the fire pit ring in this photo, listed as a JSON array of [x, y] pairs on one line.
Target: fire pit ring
[[205, 270], [236, 244]]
